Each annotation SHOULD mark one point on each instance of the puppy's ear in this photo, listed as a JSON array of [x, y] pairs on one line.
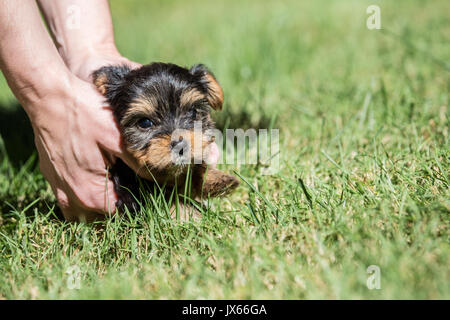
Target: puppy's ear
[[209, 83], [109, 79]]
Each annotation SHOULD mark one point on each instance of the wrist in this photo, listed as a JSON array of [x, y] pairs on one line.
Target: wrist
[[83, 64], [76, 56]]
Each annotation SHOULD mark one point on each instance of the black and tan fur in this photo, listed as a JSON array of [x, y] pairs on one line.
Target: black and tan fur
[[169, 98]]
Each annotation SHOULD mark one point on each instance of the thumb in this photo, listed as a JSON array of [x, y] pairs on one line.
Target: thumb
[[108, 134]]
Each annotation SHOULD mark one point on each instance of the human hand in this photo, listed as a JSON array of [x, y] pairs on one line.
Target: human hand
[[75, 135], [75, 132]]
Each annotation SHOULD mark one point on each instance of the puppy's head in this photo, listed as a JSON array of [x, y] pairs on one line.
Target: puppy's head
[[163, 113]]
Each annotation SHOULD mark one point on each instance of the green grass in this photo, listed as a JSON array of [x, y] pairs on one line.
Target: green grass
[[364, 170]]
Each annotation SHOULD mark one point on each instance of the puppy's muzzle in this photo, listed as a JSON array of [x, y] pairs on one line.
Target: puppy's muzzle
[[180, 151]]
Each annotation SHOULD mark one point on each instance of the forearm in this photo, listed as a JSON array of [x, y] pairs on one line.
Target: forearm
[[28, 58], [80, 28]]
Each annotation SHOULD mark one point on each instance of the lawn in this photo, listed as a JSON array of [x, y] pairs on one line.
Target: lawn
[[363, 177]]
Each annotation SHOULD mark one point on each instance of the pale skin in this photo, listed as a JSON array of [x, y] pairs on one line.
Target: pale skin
[[75, 133]]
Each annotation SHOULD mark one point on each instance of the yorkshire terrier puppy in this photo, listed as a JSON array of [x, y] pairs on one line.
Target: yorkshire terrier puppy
[[163, 112]]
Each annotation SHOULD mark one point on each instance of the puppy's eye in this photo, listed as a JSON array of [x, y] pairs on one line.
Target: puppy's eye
[[145, 123], [194, 114]]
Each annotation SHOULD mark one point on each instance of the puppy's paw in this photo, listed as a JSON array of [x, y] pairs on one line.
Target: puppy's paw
[[218, 183]]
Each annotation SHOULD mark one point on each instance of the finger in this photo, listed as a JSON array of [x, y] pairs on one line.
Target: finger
[[108, 133], [132, 64], [96, 194], [110, 199], [113, 147], [102, 198]]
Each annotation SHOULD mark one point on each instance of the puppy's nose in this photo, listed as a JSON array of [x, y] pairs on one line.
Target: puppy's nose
[[179, 146], [179, 142]]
